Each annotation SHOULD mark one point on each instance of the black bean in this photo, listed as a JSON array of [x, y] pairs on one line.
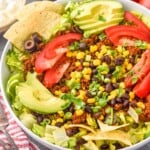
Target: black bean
[[88, 94], [76, 29], [112, 102], [126, 104], [108, 75], [106, 58], [83, 46], [81, 141], [94, 79], [72, 131], [108, 87], [96, 115], [111, 68], [119, 61], [105, 147], [125, 96], [117, 145], [132, 60], [119, 100], [115, 85], [59, 124], [88, 109], [39, 119], [135, 125], [72, 109], [94, 71]]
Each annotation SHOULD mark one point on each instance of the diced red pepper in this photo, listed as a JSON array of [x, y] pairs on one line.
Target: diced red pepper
[[42, 63], [140, 70], [142, 89], [53, 75], [60, 41], [134, 19], [115, 33]]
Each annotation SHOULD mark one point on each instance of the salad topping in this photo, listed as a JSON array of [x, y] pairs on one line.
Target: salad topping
[[84, 84]]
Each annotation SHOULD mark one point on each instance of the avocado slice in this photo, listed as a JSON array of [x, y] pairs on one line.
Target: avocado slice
[[33, 95], [87, 10], [94, 19], [100, 24]]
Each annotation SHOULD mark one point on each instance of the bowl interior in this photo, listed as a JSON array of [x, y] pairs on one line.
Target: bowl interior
[[4, 74]]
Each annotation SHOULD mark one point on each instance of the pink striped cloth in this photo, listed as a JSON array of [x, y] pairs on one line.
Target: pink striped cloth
[[19, 137]]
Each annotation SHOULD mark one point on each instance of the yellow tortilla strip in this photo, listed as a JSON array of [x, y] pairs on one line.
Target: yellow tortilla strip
[[39, 6], [105, 127], [82, 126], [116, 135], [41, 22]]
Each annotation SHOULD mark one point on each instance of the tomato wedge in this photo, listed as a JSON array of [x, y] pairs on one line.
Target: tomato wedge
[[134, 19], [42, 63], [145, 3], [53, 75], [60, 41], [115, 33], [142, 89], [140, 70]]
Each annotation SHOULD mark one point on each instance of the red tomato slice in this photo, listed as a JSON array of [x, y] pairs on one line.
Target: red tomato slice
[[60, 41], [53, 75], [140, 70], [115, 33], [42, 63], [141, 25], [142, 89], [145, 3], [148, 98]]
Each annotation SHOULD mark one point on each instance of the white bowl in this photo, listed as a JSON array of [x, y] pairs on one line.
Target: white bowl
[[4, 74]]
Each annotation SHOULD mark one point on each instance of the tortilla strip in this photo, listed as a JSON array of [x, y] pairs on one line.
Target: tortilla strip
[[41, 22], [105, 127], [39, 6], [116, 135]]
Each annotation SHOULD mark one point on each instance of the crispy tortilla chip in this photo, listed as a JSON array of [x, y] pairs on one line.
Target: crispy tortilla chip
[[133, 114], [41, 22], [116, 135], [39, 6], [105, 127]]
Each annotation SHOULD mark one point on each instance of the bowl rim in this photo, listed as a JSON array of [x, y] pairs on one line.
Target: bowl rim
[[28, 131]]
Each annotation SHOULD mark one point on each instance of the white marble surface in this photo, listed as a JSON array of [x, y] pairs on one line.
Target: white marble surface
[[2, 44]]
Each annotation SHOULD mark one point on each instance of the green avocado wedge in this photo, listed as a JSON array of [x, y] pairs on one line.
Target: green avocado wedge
[[86, 10], [101, 24], [33, 95]]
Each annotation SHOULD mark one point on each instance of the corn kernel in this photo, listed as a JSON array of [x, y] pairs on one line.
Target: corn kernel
[[96, 62], [103, 49], [131, 95], [66, 125], [77, 64], [61, 113], [57, 92], [91, 100], [53, 122], [125, 53], [86, 64], [100, 55], [87, 71], [80, 55], [122, 85], [93, 48], [119, 49], [101, 88], [129, 66], [79, 112], [69, 54], [113, 80], [141, 105], [87, 77], [59, 120]]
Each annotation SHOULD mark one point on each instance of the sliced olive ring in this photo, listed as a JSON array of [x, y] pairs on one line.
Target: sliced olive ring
[[30, 45]]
